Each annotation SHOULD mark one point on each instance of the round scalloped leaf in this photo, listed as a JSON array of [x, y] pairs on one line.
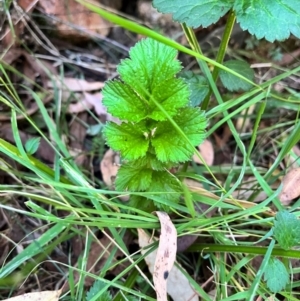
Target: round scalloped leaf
[[133, 178], [127, 138], [169, 145], [234, 83], [198, 85], [287, 229], [276, 275], [122, 102], [194, 13], [269, 19]]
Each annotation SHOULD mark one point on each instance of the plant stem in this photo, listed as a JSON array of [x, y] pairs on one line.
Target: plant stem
[[210, 248], [221, 54], [224, 43]]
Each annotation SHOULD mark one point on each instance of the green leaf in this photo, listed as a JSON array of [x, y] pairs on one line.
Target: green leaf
[[287, 229], [143, 203], [149, 65], [270, 19], [94, 129], [276, 275], [122, 101], [133, 178], [94, 290], [198, 85], [194, 13], [168, 184], [32, 145], [171, 94], [168, 143], [232, 82], [151, 161], [150, 75], [129, 139]]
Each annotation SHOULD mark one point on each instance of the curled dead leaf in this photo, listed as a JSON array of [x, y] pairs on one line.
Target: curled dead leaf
[[178, 286], [166, 255], [109, 167], [290, 186], [89, 101]]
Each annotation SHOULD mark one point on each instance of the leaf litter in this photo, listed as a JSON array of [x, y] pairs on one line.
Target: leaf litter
[[290, 186], [88, 99], [167, 277], [37, 296]]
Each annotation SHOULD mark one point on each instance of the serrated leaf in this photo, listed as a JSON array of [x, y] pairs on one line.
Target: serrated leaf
[[150, 74], [151, 161], [143, 203], [198, 85], [232, 82], [169, 185], [168, 143], [194, 13], [276, 275], [94, 290], [121, 101], [129, 139], [133, 178], [287, 229], [271, 19], [171, 94], [32, 145], [149, 65]]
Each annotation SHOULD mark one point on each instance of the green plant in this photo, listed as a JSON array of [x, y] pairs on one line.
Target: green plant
[[272, 20], [159, 128], [149, 167]]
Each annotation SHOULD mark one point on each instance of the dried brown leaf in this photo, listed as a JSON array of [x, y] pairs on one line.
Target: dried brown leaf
[[11, 55], [288, 58], [92, 101], [292, 160], [74, 84], [178, 286], [37, 296], [12, 37], [109, 167], [206, 150], [74, 21], [291, 186], [27, 5], [166, 255], [32, 67]]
